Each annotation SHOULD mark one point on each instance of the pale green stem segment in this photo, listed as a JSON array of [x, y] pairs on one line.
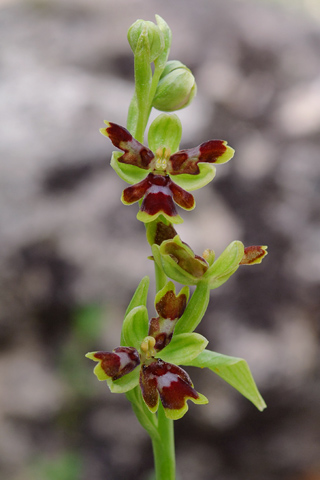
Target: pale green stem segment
[[141, 103], [163, 448]]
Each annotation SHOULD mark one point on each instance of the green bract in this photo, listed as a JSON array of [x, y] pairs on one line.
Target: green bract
[[233, 370]]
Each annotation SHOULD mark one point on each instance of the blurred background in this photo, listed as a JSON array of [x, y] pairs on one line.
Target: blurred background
[[71, 255]]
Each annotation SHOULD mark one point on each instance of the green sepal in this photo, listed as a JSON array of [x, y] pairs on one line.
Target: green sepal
[[170, 286], [194, 182], [183, 348], [225, 265], [135, 327], [165, 132], [125, 383], [129, 173], [195, 310], [233, 370]]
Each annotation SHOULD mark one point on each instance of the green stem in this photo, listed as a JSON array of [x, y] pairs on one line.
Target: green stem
[[163, 449], [139, 112]]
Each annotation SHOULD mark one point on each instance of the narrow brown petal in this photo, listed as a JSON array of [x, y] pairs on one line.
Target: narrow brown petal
[[181, 197], [135, 153], [135, 192], [186, 161], [148, 385]]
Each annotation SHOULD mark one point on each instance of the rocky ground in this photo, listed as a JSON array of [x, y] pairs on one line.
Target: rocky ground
[[71, 254]]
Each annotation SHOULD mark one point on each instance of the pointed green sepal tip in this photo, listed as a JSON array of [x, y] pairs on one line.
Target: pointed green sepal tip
[[140, 296], [98, 371], [225, 265], [104, 129], [227, 155]]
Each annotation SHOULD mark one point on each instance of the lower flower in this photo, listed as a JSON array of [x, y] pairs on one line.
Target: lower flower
[[157, 379], [172, 384]]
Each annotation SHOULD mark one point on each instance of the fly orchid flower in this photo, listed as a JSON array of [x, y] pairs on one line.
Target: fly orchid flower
[[181, 264], [151, 359], [151, 173]]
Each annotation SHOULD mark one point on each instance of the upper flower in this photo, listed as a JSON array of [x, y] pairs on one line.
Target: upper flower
[[147, 361], [150, 173]]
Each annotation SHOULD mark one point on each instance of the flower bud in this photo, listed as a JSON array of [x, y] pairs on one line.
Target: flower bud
[[176, 87], [154, 35], [165, 131]]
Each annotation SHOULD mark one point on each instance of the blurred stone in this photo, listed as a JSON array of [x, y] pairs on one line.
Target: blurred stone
[[30, 389]]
